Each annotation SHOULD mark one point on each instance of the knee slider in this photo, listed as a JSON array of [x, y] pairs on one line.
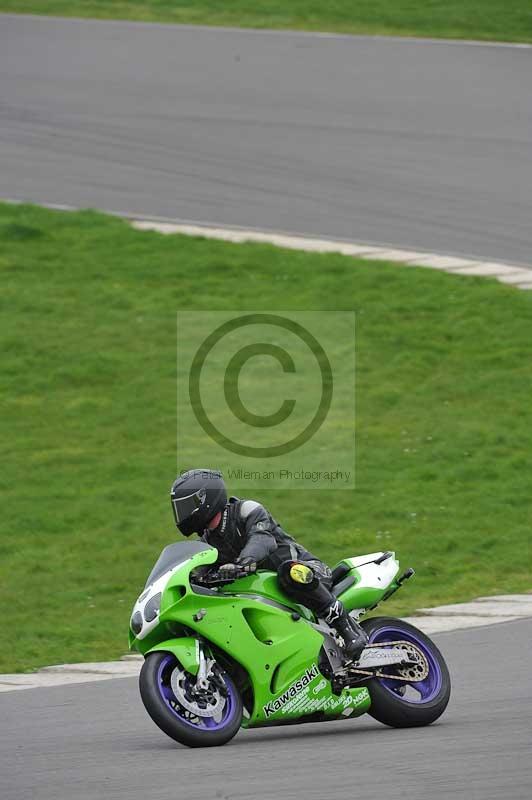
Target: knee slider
[[297, 575]]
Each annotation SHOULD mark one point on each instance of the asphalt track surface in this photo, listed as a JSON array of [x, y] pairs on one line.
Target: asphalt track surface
[[417, 144], [95, 742]]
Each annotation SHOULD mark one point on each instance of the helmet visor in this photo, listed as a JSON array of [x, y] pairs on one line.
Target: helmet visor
[[184, 507]]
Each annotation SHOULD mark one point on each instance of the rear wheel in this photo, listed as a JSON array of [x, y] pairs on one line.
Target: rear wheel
[[196, 718], [417, 694]]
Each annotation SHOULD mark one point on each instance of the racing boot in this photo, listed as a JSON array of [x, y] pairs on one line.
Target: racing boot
[[354, 636]]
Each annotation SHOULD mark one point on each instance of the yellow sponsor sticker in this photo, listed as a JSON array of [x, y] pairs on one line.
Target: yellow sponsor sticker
[[301, 574]]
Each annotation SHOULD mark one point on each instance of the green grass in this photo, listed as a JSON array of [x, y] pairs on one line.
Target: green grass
[[87, 420], [509, 20]]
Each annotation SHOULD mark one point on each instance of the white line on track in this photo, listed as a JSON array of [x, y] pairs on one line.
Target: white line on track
[[442, 619], [518, 276]]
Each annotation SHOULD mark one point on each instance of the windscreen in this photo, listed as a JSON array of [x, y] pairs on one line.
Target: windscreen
[[173, 554]]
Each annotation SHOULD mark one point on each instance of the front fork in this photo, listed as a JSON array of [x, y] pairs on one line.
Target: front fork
[[205, 668]]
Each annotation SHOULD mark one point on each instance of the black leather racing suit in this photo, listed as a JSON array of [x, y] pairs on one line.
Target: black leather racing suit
[[248, 530]]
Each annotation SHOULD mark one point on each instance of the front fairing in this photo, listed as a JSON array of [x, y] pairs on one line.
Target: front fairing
[[172, 581]]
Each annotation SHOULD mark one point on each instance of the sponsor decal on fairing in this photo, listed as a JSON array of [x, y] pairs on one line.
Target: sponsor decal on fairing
[[301, 698], [292, 691]]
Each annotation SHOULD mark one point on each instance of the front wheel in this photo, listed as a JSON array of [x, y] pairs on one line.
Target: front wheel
[[416, 694], [196, 718]]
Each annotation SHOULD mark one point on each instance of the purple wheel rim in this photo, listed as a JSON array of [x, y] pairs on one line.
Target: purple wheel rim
[[203, 723], [427, 688]]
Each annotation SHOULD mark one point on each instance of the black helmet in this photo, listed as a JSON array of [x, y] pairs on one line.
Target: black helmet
[[197, 496]]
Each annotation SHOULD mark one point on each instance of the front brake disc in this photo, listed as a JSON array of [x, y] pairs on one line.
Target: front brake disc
[[212, 701]]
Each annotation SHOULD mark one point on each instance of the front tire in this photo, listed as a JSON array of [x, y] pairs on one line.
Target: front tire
[[405, 704], [178, 722]]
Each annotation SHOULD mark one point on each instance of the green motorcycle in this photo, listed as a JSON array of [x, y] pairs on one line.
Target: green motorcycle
[[222, 655]]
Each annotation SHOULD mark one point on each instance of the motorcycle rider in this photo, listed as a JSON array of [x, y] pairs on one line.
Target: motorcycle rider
[[247, 537]]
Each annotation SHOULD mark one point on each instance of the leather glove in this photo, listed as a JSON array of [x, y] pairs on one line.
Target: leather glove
[[231, 571], [247, 564], [228, 571]]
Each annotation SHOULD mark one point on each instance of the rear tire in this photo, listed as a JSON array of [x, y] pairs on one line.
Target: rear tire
[[157, 696], [387, 705]]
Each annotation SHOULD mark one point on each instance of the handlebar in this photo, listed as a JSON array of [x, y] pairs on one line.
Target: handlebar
[[213, 578]]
